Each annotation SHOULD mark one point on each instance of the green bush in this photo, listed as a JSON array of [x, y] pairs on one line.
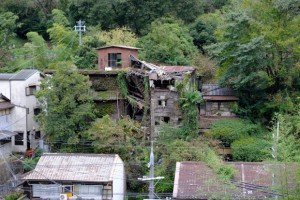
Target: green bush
[[250, 149], [229, 130], [13, 196]]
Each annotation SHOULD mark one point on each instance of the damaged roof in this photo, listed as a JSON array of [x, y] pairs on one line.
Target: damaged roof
[[162, 72], [252, 180], [75, 167]]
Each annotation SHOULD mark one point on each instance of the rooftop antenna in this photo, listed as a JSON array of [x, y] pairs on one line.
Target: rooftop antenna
[[80, 28]]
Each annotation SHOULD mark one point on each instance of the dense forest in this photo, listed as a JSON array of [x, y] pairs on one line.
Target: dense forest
[[252, 46]]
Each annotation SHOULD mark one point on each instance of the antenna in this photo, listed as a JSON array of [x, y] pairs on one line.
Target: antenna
[[80, 28]]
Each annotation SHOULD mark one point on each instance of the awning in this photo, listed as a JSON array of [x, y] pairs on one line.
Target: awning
[[6, 105], [4, 134]]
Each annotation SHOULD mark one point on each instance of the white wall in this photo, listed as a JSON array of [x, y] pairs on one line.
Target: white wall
[[119, 180], [19, 120]]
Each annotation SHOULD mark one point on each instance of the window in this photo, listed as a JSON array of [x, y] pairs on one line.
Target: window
[[30, 90], [162, 103], [67, 189], [89, 190], [19, 138], [114, 60], [36, 111], [166, 119], [37, 135], [4, 112]]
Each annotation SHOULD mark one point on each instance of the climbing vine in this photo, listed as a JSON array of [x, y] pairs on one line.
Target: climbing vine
[[121, 80], [189, 97]]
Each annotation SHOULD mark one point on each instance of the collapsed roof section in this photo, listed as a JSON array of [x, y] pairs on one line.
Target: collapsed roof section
[[156, 72]]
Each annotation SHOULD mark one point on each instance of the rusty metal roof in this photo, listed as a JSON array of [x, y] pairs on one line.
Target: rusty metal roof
[[252, 180], [75, 167], [174, 69]]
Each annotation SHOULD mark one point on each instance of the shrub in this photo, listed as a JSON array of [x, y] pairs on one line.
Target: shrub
[[229, 130], [250, 149]]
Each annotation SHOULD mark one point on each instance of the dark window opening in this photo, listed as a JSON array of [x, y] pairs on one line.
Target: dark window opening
[[67, 189], [179, 120], [19, 138], [36, 111], [30, 90], [162, 103], [37, 135], [157, 123], [164, 84], [114, 60], [166, 119]]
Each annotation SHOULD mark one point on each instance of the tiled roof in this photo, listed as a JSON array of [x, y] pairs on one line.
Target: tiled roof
[[21, 75], [195, 180], [118, 46], [75, 167], [6, 105]]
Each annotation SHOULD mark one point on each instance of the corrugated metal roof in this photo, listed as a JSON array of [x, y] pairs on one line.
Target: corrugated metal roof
[[6, 76], [174, 69], [119, 46], [75, 167], [21, 75], [216, 90], [6, 134]]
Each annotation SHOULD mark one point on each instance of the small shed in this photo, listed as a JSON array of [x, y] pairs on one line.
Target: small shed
[[115, 56], [73, 176]]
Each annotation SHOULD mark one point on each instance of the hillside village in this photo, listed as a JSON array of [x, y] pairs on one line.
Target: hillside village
[[149, 100]]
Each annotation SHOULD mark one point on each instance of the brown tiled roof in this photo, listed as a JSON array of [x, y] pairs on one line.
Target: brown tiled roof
[[195, 180]]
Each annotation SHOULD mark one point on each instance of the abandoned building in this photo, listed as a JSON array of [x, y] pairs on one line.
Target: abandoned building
[[115, 57], [77, 176], [218, 104]]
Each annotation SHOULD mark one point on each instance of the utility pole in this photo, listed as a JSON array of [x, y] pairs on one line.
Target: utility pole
[[151, 183], [151, 177], [80, 28], [275, 153]]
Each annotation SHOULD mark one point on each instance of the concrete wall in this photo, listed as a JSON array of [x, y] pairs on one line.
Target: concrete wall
[[160, 111], [22, 115], [119, 180], [103, 56]]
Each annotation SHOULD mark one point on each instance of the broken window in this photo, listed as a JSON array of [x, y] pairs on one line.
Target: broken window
[[166, 119], [37, 135], [19, 138], [30, 90], [114, 60], [36, 111], [162, 103]]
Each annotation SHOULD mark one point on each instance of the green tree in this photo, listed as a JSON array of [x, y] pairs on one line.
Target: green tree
[[258, 53], [125, 138], [251, 149], [167, 42], [67, 106], [121, 36], [230, 130], [8, 27]]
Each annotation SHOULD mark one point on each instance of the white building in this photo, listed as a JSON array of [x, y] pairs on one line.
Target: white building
[[77, 176], [18, 106]]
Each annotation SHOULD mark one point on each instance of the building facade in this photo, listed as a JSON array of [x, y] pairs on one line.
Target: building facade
[[115, 57], [18, 90]]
